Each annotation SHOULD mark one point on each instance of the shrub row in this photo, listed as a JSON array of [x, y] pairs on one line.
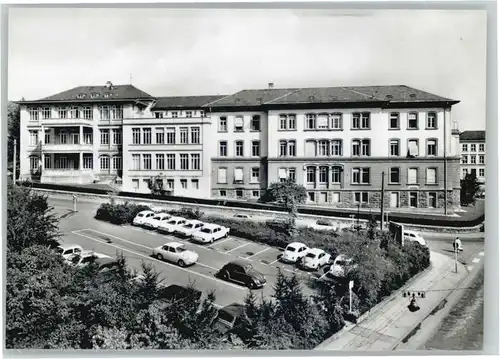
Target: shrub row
[[409, 218], [119, 213]]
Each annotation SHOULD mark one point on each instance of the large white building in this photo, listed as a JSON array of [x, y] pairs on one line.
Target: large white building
[[473, 154], [336, 141]]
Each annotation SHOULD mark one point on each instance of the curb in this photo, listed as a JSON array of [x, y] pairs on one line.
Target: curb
[[270, 213]]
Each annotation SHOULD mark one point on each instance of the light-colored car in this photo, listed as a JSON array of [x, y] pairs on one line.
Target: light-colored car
[[315, 258], [189, 228], [341, 266], [170, 225], [141, 217], [414, 237], [154, 221], [85, 258], [294, 252], [68, 250], [210, 233], [158, 209], [176, 253], [242, 216]]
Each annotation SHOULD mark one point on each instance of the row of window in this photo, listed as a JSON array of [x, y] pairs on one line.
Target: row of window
[[238, 175], [466, 171], [239, 193], [64, 163], [169, 185], [363, 198], [315, 148], [167, 161], [187, 135], [239, 124], [76, 112], [465, 147], [73, 138], [331, 121], [472, 159], [177, 114]]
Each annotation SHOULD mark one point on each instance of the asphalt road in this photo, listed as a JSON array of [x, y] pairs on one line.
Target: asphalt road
[[136, 244]]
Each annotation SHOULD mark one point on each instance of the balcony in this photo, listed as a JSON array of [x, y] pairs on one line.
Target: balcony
[[67, 122], [71, 144]]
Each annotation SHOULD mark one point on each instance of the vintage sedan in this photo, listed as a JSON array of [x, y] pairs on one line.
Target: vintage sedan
[[315, 258], [171, 225], [189, 228], [176, 253], [243, 273]]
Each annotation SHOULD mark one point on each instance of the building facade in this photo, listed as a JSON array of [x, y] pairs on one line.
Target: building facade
[[343, 144], [473, 154]]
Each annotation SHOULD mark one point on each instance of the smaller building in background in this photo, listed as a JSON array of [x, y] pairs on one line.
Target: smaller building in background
[[473, 155]]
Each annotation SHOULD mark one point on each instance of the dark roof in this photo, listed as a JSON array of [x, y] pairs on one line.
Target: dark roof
[[240, 262], [235, 309], [251, 97], [184, 101], [357, 94], [97, 94], [473, 136]]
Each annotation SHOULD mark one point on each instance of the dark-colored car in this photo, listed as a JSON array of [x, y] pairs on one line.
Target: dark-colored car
[[229, 317], [242, 272], [106, 264], [176, 292]]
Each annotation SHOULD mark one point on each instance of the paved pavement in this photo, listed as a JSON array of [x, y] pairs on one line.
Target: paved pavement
[[391, 321], [136, 244]]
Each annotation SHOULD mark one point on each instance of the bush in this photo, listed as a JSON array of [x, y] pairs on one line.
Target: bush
[[119, 213]]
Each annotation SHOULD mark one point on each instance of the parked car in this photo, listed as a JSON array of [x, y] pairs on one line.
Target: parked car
[[243, 273], [315, 258], [107, 263], [176, 292], [242, 216], [176, 253], [158, 209], [414, 237], [229, 317], [68, 250], [294, 252], [141, 217], [341, 266], [154, 221], [85, 258], [171, 224], [325, 224], [210, 233], [189, 228]]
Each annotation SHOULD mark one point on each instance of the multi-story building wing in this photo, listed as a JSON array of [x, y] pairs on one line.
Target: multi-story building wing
[[473, 154], [76, 136], [171, 142], [338, 142]]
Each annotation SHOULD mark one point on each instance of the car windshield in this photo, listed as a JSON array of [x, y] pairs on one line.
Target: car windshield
[[189, 225], [140, 215], [226, 316], [157, 218], [290, 249], [172, 222], [206, 230], [311, 255]]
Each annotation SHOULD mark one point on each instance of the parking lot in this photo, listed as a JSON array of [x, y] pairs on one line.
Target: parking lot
[[137, 243]]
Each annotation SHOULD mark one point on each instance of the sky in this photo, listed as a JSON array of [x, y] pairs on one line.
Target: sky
[[176, 52]]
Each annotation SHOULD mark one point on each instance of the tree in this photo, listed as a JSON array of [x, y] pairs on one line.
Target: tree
[[14, 126], [155, 184], [30, 219], [289, 195], [372, 227], [469, 188]]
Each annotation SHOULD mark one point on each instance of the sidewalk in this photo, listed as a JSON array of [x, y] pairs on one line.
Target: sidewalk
[[390, 321]]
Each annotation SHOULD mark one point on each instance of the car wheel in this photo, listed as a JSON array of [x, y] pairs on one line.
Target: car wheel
[[159, 256], [251, 284], [181, 263], [211, 241]]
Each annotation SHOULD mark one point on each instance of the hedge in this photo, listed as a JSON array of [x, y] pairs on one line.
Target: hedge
[[408, 218]]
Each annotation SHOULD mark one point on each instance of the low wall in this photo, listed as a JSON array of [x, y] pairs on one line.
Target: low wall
[[302, 219]]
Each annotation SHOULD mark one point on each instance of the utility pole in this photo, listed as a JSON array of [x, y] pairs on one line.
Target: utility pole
[[456, 257], [382, 204], [15, 164]]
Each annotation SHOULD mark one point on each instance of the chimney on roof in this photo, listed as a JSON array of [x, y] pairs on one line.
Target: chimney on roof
[[109, 84], [270, 85]]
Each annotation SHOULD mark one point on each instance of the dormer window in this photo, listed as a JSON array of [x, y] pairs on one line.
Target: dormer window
[[94, 95], [80, 95], [174, 114], [107, 95]]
